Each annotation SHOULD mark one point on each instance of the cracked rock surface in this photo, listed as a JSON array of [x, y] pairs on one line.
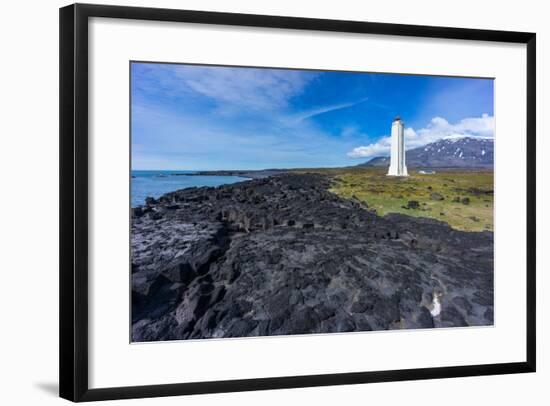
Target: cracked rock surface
[[283, 255]]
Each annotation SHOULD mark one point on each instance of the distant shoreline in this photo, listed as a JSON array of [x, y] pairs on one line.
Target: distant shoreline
[[264, 173], [251, 174]]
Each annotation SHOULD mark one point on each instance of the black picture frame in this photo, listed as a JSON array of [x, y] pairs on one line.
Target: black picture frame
[[73, 280]]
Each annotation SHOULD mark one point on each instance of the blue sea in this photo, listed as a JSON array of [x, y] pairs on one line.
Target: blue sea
[[157, 183]]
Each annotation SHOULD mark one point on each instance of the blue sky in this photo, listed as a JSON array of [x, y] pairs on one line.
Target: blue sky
[[207, 117]]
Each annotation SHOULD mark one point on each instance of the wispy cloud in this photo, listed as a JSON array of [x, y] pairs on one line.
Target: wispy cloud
[[256, 89], [248, 120], [438, 128], [326, 109], [187, 141]]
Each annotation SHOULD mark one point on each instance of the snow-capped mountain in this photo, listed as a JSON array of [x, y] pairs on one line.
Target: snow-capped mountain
[[467, 152]]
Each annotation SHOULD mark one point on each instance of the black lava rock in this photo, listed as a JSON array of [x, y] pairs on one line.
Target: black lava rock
[[283, 255]]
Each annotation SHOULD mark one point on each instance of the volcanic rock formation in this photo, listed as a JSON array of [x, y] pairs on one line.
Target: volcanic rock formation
[[284, 255]]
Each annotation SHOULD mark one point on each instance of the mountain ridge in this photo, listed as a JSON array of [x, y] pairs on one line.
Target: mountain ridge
[[464, 152]]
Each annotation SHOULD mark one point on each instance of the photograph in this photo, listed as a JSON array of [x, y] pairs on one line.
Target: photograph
[[276, 201]]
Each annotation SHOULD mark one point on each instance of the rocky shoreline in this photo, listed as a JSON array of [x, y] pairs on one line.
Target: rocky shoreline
[[251, 174], [283, 255]]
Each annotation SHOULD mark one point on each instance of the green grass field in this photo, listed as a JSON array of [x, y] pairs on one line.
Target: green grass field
[[463, 199]]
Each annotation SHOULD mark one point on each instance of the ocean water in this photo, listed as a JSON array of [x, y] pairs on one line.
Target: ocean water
[[157, 183]]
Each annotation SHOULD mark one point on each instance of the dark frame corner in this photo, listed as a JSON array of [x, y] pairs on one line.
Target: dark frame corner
[[73, 254]]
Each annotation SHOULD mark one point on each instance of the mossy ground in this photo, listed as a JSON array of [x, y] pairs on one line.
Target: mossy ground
[[387, 194]]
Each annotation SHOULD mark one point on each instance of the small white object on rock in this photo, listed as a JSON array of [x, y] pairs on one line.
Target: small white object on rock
[[436, 303]]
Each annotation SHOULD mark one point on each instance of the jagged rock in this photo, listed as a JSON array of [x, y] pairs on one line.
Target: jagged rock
[[283, 255], [150, 201]]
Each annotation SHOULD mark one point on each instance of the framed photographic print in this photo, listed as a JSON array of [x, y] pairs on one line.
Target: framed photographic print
[[257, 202]]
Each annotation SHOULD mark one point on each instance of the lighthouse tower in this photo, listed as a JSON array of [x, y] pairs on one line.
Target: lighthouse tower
[[397, 162]]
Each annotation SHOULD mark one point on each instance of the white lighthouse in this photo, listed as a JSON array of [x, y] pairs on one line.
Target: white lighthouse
[[397, 162]]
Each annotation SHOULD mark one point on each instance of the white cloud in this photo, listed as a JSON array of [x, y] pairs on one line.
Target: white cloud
[[381, 147], [326, 109], [165, 139], [256, 89], [251, 88], [438, 128], [235, 91]]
